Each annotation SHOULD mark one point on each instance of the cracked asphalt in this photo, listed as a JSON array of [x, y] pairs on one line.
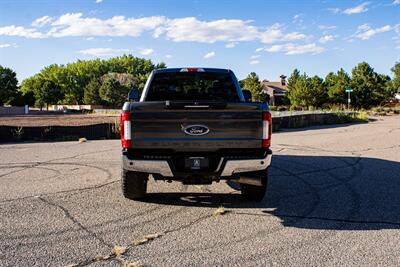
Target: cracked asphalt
[[333, 199]]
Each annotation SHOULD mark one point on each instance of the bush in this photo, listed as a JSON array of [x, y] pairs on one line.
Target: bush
[[272, 108], [377, 109]]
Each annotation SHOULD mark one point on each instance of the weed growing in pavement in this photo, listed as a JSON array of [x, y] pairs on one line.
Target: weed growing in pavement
[[115, 127], [18, 133]]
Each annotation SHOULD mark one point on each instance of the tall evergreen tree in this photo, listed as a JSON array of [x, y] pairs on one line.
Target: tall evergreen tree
[[336, 84]]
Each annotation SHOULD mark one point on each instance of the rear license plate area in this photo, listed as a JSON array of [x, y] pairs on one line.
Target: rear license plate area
[[196, 163]]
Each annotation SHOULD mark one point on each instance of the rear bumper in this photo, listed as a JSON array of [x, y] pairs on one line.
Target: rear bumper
[[226, 167]]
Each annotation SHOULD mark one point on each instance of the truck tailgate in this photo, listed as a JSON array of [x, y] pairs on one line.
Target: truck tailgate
[[157, 126]]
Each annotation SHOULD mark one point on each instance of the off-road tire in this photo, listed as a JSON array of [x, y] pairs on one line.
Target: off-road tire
[[253, 192], [134, 184]]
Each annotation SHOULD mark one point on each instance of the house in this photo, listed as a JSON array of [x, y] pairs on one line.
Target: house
[[276, 90]]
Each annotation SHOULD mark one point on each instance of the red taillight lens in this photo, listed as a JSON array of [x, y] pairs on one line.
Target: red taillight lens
[[125, 130], [267, 129]]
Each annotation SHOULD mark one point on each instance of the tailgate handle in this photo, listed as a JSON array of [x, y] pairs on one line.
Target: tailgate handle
[[197, 106]]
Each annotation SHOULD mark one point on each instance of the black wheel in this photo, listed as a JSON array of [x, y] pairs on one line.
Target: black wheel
[[134, 184], [254, 192]]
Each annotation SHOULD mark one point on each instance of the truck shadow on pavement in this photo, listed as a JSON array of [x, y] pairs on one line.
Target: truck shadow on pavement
[[315, 192]]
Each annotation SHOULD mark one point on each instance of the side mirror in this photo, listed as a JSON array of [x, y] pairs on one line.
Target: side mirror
[[134, 95], [247, 95]]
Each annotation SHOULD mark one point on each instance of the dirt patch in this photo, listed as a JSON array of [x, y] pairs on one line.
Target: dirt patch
[[56, 120]]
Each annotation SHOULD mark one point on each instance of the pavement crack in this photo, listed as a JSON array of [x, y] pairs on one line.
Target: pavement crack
[[61, 192], [115, 257], [69, 216]]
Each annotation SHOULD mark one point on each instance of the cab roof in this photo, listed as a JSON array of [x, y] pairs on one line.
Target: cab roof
[[192, 69]]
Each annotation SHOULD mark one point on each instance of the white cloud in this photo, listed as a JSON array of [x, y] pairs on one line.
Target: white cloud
[[254, 62], [192, 29], [297, 19], [357, 9], [396, 2], [103, 52], [209, 55], [42, 21], [4, 45], [168, 56], [73, 24], [20, 32], [186, 29], [361, 8], [231, 45], [254, 56], [89, 39], [275, 34], [293, 49], [326, 38], [146, 51], [98, 1], [259, 49], [327, 27], [293, 36], [364, 31]]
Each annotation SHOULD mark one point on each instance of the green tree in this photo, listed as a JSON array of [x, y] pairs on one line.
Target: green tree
[[113, 93], [318, 91], [305, 91], [8, 85], [395, 84], [91, 94], [336, 84], [300, 92], [21, 99], [252, 83], [385, 90], [369, 87], [49, 93], [45, 91], [125, 79], [294, 77], [73, 78]]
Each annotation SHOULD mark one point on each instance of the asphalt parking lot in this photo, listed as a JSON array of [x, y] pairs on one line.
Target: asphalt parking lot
[[333, 199]]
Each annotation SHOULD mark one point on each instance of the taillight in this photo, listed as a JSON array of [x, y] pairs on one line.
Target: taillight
[[125, 130], [267, 129]]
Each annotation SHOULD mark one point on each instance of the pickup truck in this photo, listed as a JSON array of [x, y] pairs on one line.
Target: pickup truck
[[196, 126]]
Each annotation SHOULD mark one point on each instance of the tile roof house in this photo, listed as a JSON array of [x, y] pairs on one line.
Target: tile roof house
[[276, 90]]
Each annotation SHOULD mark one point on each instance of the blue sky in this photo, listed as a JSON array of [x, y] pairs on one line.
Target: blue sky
[[268, 37]]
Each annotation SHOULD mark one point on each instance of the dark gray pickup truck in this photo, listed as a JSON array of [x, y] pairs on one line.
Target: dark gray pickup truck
[[195, 125]]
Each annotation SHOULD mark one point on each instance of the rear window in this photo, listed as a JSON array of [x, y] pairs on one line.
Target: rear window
[[192, 86]]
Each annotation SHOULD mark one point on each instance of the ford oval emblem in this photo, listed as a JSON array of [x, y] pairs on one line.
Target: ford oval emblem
[[195, 129]]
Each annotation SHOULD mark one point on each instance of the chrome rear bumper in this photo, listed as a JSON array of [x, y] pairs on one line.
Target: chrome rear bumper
[[231, 166], [147, 166]]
